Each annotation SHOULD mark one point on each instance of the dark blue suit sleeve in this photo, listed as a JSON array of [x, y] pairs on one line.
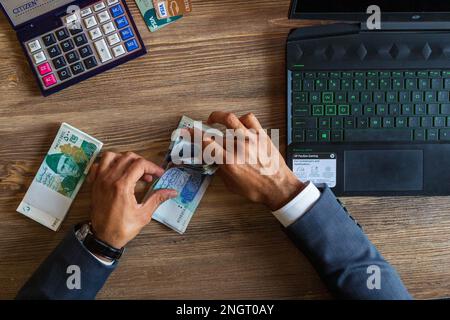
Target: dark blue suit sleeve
[[341, 253], [50, 279]]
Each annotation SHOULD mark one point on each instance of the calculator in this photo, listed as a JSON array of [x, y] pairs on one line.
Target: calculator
[[68, 41]]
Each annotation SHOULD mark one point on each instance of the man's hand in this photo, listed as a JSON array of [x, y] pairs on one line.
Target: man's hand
[[274, 190], [116, 216]]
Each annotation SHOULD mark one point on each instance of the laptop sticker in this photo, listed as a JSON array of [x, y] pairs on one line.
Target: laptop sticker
[[315, 167]]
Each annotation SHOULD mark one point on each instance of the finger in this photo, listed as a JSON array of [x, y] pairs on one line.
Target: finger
[[229, 120], [214, 149], [123, 162], [147, 178], [106, 161], [93, 173], [140, 168], [189, 134], [156, 199], [250, 121], [188, 131], [205, 139]]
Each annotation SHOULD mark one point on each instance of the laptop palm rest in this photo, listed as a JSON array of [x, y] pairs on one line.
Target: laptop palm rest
[[383, 170]]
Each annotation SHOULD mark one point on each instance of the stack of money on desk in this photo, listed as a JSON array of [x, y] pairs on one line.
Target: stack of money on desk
[[60, 177], [190, 180]]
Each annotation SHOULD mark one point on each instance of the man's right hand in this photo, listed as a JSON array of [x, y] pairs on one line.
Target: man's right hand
[[274, 190]]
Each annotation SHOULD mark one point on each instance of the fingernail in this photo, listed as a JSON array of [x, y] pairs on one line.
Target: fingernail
[[173, 194]]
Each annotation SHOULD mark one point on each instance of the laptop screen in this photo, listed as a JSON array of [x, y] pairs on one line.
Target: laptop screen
[[357, 8], [20, 11]]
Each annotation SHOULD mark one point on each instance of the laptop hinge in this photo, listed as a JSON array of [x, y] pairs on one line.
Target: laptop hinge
[[409, 26]]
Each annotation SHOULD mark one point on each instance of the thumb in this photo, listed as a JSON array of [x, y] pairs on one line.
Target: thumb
[[157, 198]]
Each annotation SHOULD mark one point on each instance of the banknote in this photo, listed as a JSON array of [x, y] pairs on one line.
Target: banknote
[[190, 180], [148, 12], [191, 185], [177, 146], [60, 176]]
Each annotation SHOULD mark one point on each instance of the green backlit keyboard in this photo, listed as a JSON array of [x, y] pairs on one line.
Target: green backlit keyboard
[[364, 106]]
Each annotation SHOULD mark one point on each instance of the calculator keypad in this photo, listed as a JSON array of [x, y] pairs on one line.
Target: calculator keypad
[[39, 57], [90, 62], [62, 34], [95, 33], [59, 62], [118, 51], [75, 31], [77, 68], [72, 57], [34, 46], [49, 80], [49, 39], [85, 51], [113, 39], [67, 45], [108, 28], [54, 51], [62, 54], [64, 74], [85, 12], [44, 68], [103, 51], [103, 16], [80, 40]]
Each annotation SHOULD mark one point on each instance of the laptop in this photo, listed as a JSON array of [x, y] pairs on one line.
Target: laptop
[[67, 41], [368, 111]]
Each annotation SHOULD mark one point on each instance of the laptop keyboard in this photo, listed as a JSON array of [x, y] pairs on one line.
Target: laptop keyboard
[[364, 106]]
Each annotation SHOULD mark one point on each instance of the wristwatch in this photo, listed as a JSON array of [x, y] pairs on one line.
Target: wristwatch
[[96, 246]]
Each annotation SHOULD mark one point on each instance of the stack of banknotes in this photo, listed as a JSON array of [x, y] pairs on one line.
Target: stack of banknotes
[[60, 176], [190, 180]]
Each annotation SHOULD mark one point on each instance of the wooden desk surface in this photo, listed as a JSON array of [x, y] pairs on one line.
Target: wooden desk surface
[[228, 55]]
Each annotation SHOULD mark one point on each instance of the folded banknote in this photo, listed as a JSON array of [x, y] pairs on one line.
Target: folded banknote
[[190, 180], [177, 146], [60, 176]]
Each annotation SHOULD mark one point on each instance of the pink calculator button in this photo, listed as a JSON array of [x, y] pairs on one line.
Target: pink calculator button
[[49, 80], [44, 68]]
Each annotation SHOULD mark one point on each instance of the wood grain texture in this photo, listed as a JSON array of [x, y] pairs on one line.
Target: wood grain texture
[[227, 55]]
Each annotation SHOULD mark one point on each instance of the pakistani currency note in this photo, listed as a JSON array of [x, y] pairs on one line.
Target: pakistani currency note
[[190, 181], [148, 12], [60, 176], [191, 186], [178, 146]]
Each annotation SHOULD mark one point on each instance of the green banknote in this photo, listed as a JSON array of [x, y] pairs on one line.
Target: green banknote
[[60, 176], [151, 19]]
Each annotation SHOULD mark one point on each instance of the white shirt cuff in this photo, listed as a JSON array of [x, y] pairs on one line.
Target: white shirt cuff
[[106, 263], [298, 206]]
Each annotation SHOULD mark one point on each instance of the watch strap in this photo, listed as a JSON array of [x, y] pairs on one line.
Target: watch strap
[[97, 246]]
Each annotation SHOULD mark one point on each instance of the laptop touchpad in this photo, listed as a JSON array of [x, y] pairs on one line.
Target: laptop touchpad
[[383, 170]]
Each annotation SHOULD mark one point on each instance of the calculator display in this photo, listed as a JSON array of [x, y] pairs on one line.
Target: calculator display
[[21, 11]]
